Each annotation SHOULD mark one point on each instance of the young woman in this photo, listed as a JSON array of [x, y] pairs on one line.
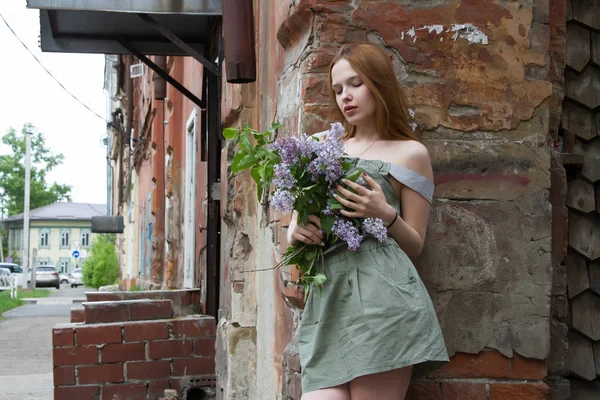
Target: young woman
[[373, 325]]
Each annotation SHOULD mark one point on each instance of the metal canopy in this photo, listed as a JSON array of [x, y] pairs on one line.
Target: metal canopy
[[84, 26]]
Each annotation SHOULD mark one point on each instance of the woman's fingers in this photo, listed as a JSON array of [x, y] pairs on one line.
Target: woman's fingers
[[309, 235], [371, 182], [315, 220]]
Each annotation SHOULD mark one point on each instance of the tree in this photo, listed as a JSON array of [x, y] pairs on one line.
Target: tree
[[102, 267], [12, 176]]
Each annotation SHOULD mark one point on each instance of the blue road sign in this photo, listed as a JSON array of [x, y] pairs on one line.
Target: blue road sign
[[75, 253]]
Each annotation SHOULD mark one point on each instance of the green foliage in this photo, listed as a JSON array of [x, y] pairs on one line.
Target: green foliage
[[257, 157], [310, 197], [6, 303], [12, 176], [135, 288], [102, 267]]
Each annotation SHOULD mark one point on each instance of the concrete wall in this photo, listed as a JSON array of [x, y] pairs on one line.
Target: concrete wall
[[484, 83]]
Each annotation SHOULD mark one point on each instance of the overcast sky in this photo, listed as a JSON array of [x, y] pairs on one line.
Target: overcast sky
[[31, 95]]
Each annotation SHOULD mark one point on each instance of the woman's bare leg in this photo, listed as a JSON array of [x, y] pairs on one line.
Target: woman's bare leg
[[389, 385], [341, 392]]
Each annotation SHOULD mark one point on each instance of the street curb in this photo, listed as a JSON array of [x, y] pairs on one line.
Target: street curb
[[53, 300]]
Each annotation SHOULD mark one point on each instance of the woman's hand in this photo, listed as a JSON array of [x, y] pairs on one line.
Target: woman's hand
[[365, 202], [310, 233]]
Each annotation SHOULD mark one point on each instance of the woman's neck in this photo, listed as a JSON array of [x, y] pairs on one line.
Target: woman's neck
[[367, 132]]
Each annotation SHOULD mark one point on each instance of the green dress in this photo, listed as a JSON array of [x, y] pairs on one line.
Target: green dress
[[373, 313]]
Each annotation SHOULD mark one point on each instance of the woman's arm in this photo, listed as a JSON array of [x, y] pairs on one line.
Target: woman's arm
[[408, 229]]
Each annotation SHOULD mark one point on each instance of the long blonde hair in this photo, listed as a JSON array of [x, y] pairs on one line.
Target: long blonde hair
[[376, 71]]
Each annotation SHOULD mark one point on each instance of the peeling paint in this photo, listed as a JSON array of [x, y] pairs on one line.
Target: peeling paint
[[437, 28], [468, 32]]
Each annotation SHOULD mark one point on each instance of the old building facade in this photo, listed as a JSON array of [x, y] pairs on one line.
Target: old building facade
[[485, 81]]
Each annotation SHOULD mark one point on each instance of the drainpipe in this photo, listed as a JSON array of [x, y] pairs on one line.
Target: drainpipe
[[238, 33], [160, 85]]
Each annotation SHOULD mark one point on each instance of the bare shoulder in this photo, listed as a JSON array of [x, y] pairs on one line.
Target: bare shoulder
[[414, 155]]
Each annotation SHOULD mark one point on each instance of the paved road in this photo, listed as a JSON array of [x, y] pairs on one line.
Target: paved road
[[26, 345]]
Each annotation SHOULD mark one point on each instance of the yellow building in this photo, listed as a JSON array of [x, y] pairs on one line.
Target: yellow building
[[56, 231]]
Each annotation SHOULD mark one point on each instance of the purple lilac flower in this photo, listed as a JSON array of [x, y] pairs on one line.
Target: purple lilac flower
[[287, 149], [328, 154], [346, 231], [327, 210], [307, 146], [283, 201], [284, 179], [375, 227]]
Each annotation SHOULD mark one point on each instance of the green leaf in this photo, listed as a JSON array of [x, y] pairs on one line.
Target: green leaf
[[256, 174], [230, 133], [274, 126], [246, 161], [246, 144], [327, 222], [335, 205], [354, 175], [319, 279]]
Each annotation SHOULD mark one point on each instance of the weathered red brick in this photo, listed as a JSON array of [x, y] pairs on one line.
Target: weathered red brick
[[156, 389], [75, 355], [62, 337], [520, 391], [77, 392], [424, 389], [145, 331], [64, 376], [193, 366], [464, 391], [105, 373], [103, 296], [126, 391], [170, 348], [123, 352], [204, 347], [100, 334], [314, 89], [104, 312], [525, 368], [77, 315], [138, 370], [149, 310], [194, 327], [486, 364]]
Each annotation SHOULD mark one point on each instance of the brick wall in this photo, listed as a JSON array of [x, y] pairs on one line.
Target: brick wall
[[488, 375], [132, 349]]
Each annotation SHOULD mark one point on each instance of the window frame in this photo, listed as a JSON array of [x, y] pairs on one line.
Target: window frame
[[47, 232], [87, 232], [68, 232]]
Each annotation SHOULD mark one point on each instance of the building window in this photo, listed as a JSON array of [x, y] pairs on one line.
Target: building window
[[63, 266], [44, 238], [85, 238], [43, 261], [65, 238]]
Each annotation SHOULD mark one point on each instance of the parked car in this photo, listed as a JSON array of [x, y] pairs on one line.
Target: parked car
[[64, 278], [15, 269], [4, 271], [76, 278], [46, 275]]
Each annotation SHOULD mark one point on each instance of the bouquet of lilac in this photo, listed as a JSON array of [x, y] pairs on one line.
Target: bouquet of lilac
[[304, 171]]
